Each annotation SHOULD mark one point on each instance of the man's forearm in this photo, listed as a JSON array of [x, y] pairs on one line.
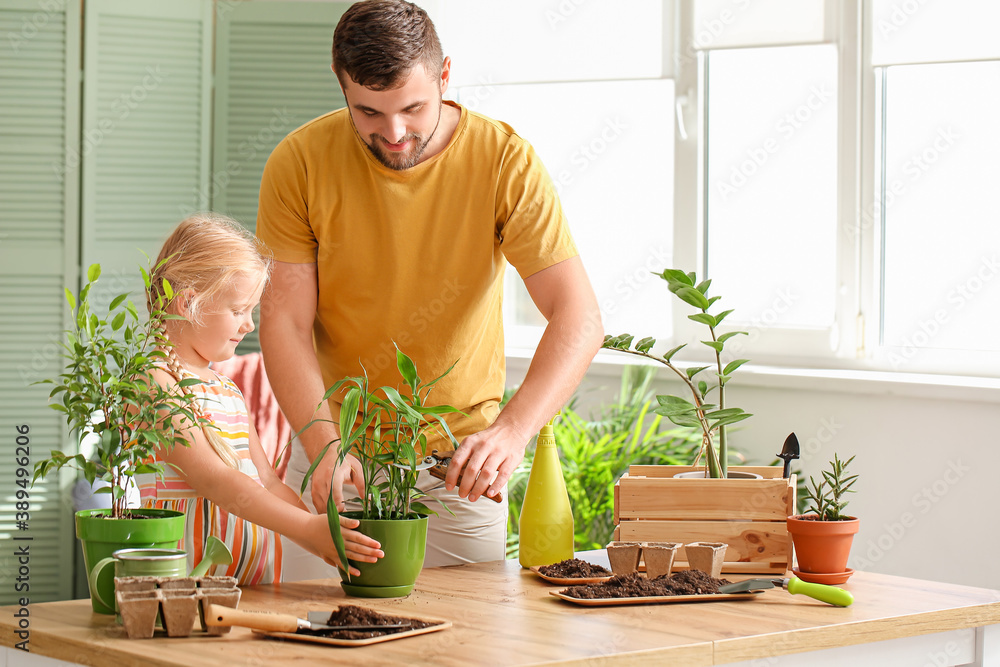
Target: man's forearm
[[568, 345], [294, 374]]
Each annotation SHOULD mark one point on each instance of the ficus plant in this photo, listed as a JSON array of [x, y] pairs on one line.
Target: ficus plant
[[826, 497], [387, 430], [107, 389], [706, 410]]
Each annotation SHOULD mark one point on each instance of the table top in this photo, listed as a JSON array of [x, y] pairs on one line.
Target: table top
[[503, 615]]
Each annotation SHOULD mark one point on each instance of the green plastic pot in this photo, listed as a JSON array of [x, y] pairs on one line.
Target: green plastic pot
[[102, 536], [404, 542]]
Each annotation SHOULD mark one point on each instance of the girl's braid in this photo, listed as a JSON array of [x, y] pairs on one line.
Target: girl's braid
[[174, 367]]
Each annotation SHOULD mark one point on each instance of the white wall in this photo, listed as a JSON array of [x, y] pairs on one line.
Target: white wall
[[927, 457]]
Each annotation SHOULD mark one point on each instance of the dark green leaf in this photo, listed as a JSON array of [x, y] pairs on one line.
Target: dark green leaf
[[691, 372]]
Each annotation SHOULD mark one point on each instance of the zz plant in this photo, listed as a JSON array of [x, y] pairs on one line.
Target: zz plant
[[699, 412], [107, 389]]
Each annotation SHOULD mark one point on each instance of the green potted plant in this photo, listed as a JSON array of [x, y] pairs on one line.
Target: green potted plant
[[106, 389], [387, 430], [822, 537], [701, 381]]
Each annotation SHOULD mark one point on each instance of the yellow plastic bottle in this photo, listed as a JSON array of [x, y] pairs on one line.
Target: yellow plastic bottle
[[546, 522]]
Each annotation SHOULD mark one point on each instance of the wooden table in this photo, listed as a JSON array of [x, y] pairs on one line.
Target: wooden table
[[504, 615]]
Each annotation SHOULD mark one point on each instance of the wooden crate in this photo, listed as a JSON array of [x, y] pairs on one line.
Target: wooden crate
[[747, 514]]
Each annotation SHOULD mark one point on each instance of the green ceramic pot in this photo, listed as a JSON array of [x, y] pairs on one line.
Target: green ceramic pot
[[404, 543], [101, 537]]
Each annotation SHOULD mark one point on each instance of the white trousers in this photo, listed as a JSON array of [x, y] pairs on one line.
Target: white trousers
[[477, 533]]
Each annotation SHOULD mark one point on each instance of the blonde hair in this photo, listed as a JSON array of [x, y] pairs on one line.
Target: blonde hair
[[204, 255]]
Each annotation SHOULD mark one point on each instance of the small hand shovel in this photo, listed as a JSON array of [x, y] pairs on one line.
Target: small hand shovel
[[829, 594], [218, 615]]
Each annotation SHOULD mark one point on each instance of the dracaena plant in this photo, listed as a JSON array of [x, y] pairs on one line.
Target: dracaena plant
[[706, 409], [827, 495], [387, 430], [107, 389]]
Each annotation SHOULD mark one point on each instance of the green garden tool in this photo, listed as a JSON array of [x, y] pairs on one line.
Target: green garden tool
[[216, 553], [829, 594]]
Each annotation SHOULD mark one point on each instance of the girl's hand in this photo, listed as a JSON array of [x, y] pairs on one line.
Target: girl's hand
[[359, 547]]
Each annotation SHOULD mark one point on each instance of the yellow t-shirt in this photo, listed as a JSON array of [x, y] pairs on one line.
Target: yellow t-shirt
[[414, 256]]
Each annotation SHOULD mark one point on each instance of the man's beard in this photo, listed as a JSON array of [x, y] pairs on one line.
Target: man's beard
[[400, 161]]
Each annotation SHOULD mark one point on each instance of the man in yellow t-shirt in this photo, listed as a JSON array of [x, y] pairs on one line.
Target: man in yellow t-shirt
[[391, 221]]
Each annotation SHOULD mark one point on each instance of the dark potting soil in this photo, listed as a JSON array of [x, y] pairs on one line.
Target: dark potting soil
[[634, 585], [352, 615], [574, 568]]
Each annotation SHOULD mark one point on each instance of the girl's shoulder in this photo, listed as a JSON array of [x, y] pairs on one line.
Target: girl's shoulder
[[227, 383]]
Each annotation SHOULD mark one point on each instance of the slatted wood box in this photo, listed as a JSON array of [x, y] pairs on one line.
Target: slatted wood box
[[747, 514]]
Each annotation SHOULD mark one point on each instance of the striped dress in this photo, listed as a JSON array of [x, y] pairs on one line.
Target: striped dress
[[256, 550]]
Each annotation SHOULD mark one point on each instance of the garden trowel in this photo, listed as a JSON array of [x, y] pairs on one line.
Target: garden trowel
[[829, 594], [219, 615], [789, 451]]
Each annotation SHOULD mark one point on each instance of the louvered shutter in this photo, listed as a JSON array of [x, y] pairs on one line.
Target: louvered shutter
[[39, 77], [146, 129], [272, 75]]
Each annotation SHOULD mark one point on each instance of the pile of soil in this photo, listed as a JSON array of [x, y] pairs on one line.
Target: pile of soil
[[574, 568], [352, 615], [634, 585]]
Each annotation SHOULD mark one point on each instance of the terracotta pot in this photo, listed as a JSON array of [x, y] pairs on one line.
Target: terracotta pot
[[821, 547]]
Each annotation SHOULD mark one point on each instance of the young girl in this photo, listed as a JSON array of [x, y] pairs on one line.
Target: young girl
[[223, 482]]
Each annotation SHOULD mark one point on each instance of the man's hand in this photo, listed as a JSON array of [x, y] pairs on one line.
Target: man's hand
[[327, 473], [486, 460]]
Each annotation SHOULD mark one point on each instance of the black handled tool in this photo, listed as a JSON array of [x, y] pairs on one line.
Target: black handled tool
[[789, 451]]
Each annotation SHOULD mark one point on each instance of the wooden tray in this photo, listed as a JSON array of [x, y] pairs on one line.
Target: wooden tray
[[569, 581], [658, 599], [333, 641]]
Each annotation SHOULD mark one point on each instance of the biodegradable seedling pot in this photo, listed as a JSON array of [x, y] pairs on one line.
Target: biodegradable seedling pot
[[659, 557], [706, 556], [624, 557], [180, 609], [139, 609]]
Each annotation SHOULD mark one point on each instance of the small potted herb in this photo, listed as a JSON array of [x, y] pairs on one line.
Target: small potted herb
[[822, 537]]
